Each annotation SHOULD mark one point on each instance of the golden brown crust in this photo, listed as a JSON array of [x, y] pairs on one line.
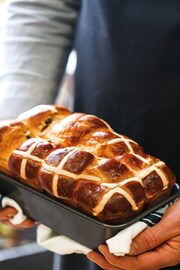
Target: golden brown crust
[[79, 159], [40, 117], [11, 136]]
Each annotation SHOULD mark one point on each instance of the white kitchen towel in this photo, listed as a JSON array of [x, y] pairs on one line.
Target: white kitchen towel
[[119, 245], [19, 217], [60, 244]]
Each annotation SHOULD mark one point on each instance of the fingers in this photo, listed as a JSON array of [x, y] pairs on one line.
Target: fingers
[[155, 248], [167, 228], [148, 240], [125, 262], [101, 261], [7, 223], [28, 223], [165, 255], [7, 212]]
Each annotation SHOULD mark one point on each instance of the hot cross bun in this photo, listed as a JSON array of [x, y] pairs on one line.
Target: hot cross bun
[[78, 159]]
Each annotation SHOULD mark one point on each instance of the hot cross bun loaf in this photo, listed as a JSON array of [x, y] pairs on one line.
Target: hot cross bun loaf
[[79, 159]]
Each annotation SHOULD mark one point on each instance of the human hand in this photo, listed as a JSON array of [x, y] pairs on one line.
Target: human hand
[[153, 249], [9, 212]]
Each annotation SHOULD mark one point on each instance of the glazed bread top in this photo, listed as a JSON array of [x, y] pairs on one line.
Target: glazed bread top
[[80, 160]]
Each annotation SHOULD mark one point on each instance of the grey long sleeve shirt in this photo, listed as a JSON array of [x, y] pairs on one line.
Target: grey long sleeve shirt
[[37, 37]]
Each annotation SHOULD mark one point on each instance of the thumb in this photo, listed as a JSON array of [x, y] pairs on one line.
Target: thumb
[[167, 228]]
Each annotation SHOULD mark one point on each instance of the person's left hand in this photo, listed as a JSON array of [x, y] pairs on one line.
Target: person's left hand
[[153, 249], [9, 212]]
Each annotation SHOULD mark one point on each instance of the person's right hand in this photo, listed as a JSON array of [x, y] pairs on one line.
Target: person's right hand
[[155, 248], [9, 212]]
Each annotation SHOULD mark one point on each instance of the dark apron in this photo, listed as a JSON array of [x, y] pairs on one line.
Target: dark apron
[[128, 73]]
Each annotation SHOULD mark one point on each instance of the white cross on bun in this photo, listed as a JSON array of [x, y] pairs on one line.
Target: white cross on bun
[[77, 158]]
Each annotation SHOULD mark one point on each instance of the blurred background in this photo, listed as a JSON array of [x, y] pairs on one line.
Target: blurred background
[[18, 247]]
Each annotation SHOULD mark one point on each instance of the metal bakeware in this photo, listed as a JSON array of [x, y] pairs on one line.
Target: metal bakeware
[[62, 218]]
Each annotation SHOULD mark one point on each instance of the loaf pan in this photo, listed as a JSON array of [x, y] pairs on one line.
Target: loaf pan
[[64, 219]]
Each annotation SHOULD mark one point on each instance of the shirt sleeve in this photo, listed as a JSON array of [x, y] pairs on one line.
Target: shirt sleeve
[[37, 37]]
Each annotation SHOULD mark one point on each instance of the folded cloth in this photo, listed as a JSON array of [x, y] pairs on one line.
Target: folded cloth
[[60, 244], [19, 217], [119, 245]]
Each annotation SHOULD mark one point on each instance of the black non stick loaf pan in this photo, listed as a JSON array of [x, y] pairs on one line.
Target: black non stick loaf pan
[[64, 219]]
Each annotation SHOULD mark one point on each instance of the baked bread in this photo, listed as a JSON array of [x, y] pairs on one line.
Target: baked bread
[[78, 159], [29, 124]]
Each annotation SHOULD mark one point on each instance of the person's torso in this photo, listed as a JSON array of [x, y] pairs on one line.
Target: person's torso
[[128, 70]]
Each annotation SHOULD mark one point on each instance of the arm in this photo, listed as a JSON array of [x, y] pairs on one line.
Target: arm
[[154, 248], [37, 38]]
